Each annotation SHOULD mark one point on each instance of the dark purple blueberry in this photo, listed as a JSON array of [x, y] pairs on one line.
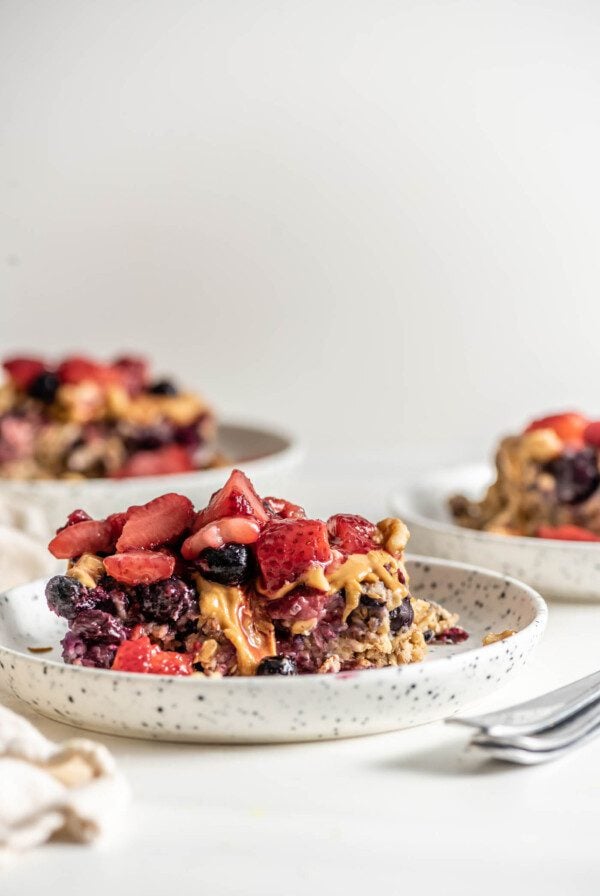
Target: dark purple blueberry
[[168, 601], [100, 656], [428, 635], [147, 438], [402, 617], [576, 475], [98, 626], [367, 601], [44, 387], [73, 648], [276, 665], [230, 565], [66, 597], [163, 387], [188, 436]]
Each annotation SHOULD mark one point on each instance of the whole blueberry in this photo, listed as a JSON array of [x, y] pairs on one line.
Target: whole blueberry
[[168, 601], [163, 387], [576, 475], [96, 626], [44, 387], [230, 565], [66, 597], [402, 617], [276, 665]]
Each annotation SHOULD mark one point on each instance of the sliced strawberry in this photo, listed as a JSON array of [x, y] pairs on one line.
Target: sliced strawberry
[[351, 534], [87, 537], [287, 548], [78, 369], [140, 655], [117, 521], [569, 426], [23, 371], [155, 523], [301, 603], [140, 567], [232, 530], [567, 533], [591, 434], [133, 372], [283, 509], [160, 462], [236, 498]]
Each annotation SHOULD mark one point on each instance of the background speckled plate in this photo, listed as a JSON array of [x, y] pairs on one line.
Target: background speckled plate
[[308, 707], [568, 570]]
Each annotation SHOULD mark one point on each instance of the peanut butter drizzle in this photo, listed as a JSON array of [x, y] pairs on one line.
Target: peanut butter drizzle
[[252, 637], [371, 567]]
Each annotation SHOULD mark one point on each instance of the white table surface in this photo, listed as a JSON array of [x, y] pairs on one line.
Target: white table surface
[[411, 811]]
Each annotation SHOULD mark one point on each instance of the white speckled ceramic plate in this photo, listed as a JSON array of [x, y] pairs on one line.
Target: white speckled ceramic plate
[[308, 707], [559, 569], [267, 456]]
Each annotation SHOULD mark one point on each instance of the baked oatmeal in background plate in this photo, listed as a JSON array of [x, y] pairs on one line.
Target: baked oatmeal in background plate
[[79, 418], [245, 586], [547, 483]]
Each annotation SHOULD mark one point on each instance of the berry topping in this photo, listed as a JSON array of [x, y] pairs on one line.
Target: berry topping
[[283, 509], [576, 475], [163, 387], [66, 597], [402, 617], [566, 533], [87, 537], [23, 371], [133, 373], [276, 665], [452, 636], [300, 604], [141, 655], [231, 564], [236, 498], [44, 387], [591, 434], [155, 523], [140, 567], [160, 462], [168, 601], [239, 530], [78, 369], [351, 534], [96, 625], [78, 516], [287, 548], [569, 426]]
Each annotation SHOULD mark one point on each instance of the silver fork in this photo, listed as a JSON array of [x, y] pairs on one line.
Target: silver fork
[[541, 729]]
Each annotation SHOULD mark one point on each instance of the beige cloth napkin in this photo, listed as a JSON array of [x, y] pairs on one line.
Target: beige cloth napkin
[[46, 788]]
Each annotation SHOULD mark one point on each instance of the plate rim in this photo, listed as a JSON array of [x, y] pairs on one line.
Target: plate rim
[[404, 495], [539, 621]]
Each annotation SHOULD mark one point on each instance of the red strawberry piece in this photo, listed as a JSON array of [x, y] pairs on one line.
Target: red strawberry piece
[[301, 603], [77, 516], [569, 426], [78, 369], [287, 548], [140, 567], [117, 521], [160, 462], [591, 434], [283, 509], [87, 537], [567, 533], [140, 655], [236, 498], [155, 523], [351, 534], [133, 372], [236, 530], [23, 371], [452, 635]]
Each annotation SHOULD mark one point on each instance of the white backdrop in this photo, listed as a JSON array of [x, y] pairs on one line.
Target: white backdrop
[[376, 222]]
